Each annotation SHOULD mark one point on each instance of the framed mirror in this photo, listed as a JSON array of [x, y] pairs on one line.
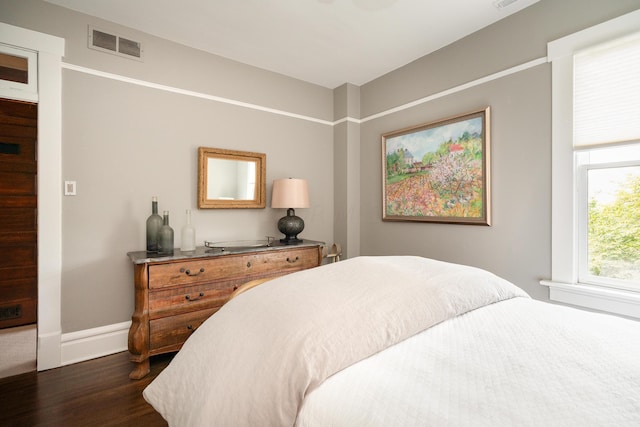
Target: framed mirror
[[230, 179]]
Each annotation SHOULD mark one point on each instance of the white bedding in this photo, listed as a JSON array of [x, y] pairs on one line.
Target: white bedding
[[516, 363], [255, 360], [423, 343]]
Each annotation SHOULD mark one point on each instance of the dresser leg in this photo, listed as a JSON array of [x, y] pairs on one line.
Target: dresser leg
[[141, 370]]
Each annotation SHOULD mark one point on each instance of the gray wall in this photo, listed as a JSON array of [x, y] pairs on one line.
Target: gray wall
[[124, 143], [518, 244], [346, 165]]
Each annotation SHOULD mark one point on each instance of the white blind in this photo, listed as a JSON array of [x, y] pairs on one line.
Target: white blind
[[606, 103]]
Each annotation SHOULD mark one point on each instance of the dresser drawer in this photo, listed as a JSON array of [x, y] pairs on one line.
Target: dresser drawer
[[225, 267], [170, 301], [169, 333], [280, 262]]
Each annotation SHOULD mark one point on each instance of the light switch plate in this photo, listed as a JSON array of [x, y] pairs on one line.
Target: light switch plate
[[69, 188]]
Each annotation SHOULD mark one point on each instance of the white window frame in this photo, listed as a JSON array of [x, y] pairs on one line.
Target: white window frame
[[564, 286]]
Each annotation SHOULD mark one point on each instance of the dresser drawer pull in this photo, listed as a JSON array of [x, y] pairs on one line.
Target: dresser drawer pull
[[188, 272], [191, 328], [249, 264], [291, 261], [188, 297]]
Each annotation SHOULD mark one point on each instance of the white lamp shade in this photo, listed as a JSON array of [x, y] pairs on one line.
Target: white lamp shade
[[290, 193]]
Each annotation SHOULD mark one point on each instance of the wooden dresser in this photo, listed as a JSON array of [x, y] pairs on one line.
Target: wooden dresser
[[175, 294]]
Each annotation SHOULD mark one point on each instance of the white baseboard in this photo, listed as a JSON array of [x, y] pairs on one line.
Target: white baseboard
[[93, 343]]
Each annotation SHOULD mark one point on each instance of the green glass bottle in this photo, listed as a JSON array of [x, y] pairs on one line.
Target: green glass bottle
[[165, 236], [154, 222]]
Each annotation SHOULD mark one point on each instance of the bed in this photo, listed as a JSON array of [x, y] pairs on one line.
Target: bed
[[401, 341]]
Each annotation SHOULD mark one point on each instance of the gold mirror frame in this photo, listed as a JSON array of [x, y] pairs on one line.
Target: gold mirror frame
[[206, 173]]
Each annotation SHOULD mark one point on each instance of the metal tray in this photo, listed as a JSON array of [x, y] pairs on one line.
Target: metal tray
[[238, 244]]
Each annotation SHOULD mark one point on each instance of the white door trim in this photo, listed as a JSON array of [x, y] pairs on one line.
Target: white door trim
[[50, 50]]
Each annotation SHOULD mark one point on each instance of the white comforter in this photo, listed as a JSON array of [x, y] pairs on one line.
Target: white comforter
[[255, 360], [516, 363], [424, 343]]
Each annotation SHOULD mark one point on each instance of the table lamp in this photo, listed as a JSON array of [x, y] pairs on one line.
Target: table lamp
[[290, 193]]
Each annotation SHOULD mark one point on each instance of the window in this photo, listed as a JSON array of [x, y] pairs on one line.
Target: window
[[606, 111], [17, 69], [608, 216], [14, 68], [596, 167]]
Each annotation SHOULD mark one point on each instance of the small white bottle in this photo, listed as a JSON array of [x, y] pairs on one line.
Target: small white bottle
[[188, 235]]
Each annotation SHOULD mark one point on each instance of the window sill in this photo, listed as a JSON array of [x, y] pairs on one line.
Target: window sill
[[614, 301]]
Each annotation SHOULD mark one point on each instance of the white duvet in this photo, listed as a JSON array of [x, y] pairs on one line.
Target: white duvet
[[516, 363], [276, 355]]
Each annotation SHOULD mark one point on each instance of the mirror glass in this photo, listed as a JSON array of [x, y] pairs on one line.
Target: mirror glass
[[230, 179]]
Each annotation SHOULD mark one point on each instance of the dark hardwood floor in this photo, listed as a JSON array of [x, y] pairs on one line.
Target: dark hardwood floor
[[93, 393]]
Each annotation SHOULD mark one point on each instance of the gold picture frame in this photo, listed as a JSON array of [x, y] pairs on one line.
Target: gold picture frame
[[439, 171]]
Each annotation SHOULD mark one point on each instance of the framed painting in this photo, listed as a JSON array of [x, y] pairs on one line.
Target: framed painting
[[439, 171]]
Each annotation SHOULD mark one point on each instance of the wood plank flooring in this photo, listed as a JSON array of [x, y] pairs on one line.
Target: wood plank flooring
[[93, 393]]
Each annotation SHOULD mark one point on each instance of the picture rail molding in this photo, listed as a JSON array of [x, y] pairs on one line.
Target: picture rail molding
[[215, 98]]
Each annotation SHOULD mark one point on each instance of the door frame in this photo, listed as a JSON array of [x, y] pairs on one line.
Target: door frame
[[50, 50]]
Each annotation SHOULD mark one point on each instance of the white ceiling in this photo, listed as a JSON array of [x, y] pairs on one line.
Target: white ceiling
[[326, 42]]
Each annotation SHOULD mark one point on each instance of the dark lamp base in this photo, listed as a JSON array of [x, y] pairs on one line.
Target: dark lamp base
[[291, 225], [293, 241]]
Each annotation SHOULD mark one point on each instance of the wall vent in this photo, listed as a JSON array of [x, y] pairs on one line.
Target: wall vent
[[500, 4], [113, 43]]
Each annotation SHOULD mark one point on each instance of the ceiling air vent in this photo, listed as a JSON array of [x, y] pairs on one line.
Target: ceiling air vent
[[499, 4], [115, 44]]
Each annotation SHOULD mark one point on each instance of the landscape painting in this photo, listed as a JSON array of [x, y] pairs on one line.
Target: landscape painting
[[438, 172]]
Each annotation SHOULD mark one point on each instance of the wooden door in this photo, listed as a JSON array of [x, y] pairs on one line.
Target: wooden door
[[18, 213]]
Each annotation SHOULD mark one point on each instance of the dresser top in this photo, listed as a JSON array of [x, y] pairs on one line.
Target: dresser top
[[142, 257]]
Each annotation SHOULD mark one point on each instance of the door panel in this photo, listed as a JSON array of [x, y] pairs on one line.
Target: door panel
[[18, 213]]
